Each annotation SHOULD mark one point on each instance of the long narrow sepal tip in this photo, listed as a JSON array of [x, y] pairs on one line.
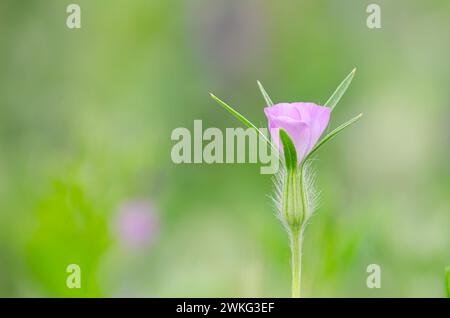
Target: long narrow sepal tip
[[266, 96], [340, 90], [242, 119]]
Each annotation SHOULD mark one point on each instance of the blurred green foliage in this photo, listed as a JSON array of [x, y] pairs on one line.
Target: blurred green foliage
[[85, 123]]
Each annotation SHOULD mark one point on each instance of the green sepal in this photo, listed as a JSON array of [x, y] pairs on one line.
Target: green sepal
[[340, 91], [290, 154]]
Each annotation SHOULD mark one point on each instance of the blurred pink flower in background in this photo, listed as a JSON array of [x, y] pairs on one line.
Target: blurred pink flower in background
[[137, 224]]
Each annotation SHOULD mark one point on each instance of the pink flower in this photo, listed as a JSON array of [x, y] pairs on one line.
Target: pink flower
[[137, 224], [303, 122]]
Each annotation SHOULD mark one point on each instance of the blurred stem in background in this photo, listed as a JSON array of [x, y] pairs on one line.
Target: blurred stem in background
[[447, 281]]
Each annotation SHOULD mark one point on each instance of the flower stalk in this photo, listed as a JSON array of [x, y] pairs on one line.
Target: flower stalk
[[295, 209], [294, 206], [296, 252]]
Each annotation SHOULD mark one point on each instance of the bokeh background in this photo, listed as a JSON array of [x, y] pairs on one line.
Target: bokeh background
[[86, 175]]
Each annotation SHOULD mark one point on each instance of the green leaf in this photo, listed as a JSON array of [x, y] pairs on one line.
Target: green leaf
[[265, 95], [290, 154], [244, 120], [332, 135], [340, 90]]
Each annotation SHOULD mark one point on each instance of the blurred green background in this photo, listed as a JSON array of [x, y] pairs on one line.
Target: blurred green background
[[85, 122]]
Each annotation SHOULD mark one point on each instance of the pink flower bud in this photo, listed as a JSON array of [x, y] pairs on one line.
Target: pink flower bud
[[303, 122]]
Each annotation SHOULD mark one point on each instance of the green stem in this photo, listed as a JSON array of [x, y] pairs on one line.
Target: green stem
[[297, 231], [296, 250]]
